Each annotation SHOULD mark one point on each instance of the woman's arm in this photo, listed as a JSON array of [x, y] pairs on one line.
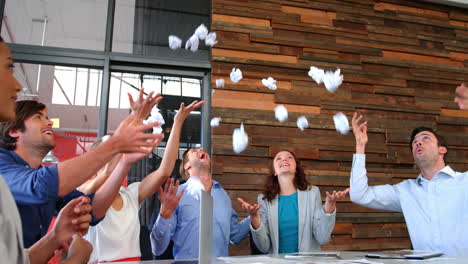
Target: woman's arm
[[151, 183]]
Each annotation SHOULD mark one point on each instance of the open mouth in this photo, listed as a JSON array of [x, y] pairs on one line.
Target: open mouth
[[203, 156], [48, 132], [284, 165]]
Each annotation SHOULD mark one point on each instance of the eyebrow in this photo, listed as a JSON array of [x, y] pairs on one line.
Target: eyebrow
[[422, 134]]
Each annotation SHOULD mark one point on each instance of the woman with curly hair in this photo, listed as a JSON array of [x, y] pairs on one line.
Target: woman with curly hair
[[289, 216]]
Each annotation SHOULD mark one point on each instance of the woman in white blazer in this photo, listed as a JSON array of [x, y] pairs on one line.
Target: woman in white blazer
[[289, 216]]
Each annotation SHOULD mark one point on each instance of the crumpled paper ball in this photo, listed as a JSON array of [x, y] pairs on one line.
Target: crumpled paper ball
[[316, 74], [192, 43], [270, 83], [211, 39], [281, 113], [155, 116], [236, 75], [201, 32], [215, 121], [219, 83], [302, 123], [240, 140], [332, 80], [174, 42], [341, 123]]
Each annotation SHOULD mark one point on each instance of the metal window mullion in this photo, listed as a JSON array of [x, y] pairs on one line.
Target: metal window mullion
[[205, 113], [76, 81], [2, 12], [104, 105], [87, 87]]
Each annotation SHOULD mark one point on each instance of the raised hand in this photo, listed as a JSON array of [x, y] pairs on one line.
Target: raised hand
[[360, 133], [142, 106], [73, 219], [128, 138], [169, 198], [184, 111], [253, 212], [131, 158], [461, 96], [330, 201]]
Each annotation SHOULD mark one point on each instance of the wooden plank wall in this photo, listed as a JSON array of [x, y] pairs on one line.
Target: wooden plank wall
[[401, 62]]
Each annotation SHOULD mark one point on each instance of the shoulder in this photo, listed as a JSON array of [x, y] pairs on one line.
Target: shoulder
[[6, 155], [311, 189]]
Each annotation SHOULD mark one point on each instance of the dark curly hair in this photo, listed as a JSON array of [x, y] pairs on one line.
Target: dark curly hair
[[272, 188], [24, 110]]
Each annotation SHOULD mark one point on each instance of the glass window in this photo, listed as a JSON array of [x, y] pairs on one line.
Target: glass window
[[72, 98], [56, 23], [143, 27], [191, 87], [172, 86]]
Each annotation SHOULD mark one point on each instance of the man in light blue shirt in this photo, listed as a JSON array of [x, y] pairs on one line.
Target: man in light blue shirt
[[435, 204], [179, 220]]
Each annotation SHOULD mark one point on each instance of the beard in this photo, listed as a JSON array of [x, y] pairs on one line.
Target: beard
[[202, 165]]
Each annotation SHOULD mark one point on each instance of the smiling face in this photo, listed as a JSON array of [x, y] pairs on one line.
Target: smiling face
[[426, 149], [284, 163], [37, 133], [9, 86]]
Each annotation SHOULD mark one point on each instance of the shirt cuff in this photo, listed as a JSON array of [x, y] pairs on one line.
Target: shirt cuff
[[359, 159], [258, 229], [163, 222], [329, 214]]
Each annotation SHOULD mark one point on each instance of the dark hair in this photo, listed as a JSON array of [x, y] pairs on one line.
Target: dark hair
[[183, 173], [441, 142], [272, 188], [24, 110], [1, 39]]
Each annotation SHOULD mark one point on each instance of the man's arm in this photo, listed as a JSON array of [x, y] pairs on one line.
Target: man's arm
[[239, 230], [151, 183], [382, 197], [165, 226], [29, 185]]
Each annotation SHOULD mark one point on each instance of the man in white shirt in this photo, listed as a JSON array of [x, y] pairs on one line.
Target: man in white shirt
[[435, 204]]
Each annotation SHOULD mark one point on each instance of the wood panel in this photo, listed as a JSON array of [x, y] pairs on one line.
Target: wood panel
[[401, 62]]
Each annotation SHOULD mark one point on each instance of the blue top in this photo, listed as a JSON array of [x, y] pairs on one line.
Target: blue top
[[36, 194], [288, 223], [183, 227], [436, 211]]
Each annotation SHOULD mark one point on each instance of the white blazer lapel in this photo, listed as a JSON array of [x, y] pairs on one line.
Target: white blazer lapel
[[274, 224]]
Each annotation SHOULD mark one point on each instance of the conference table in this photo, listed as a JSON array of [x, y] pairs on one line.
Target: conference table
[[344, 257]]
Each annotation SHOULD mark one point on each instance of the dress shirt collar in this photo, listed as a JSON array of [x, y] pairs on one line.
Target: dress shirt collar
[[447, 170], [193, 180]]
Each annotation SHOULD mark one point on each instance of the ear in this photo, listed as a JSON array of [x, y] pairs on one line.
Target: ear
[[14, 133], [442, 150], [187, 166]]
